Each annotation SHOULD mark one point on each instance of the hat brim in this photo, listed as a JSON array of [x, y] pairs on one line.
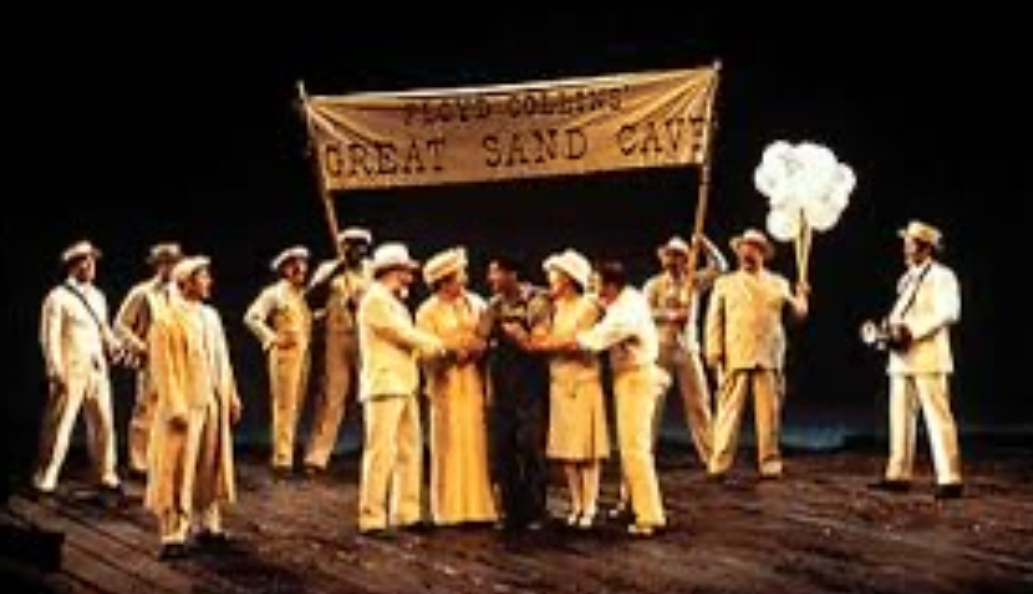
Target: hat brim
[[79, 255], [282, 260], [445, 271], [666, 251], [905, 234], [355, 237], [164, 258], [378, 269], [559, 266], [765, 246]]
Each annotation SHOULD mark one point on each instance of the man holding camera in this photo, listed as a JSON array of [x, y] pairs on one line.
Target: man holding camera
[[920, 364]]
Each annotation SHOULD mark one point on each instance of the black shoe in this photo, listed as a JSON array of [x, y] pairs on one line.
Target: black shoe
[[281, 474], [718, 478], [112, 495], [312, 472], [212, 538], [38, 495], [949, 491], [891, 486], [172, 550], [380, 533], [213, 541], [137, 475], [419, 527]]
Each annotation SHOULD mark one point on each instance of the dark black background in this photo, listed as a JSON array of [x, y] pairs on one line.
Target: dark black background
[[132, 127]]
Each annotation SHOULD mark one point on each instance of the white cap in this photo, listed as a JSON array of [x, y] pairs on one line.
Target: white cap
[[78, 250], [291, 253], [188, 266], [355, 234]]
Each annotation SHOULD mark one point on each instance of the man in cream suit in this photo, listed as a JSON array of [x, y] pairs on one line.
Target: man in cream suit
[[132, 323], [920, 364], [345, 279], [77, 342], [675, 306], [628, 334], [281, 320], [746, 345], [389, 379], [191, 470]]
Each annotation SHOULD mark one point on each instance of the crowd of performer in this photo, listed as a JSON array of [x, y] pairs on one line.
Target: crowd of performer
[[512, 384]]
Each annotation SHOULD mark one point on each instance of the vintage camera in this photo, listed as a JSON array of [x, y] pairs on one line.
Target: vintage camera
[[881, 335]]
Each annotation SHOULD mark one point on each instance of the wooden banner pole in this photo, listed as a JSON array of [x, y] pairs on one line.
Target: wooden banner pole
[[324, 193], [709, 132]]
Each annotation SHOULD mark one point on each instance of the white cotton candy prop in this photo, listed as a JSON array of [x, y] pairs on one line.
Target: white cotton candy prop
[[783, 225], [821, 215], [807, 190]]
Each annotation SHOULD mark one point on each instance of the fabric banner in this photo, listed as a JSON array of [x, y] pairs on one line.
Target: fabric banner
[[505, 132]]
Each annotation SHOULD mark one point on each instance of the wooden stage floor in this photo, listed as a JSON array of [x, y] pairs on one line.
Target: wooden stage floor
[[817, 530]]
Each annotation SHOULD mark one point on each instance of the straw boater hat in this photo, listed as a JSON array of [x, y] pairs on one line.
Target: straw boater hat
[[391, 255], [189, 265], [757, 238], [443, 264], [355, 234], [571, 263], [923, 232], [298, 252], [674, 245], [79, 249], [165, 253]]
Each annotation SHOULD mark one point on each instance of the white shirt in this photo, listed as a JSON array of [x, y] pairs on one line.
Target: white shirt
[[70, 336], [627, 329]]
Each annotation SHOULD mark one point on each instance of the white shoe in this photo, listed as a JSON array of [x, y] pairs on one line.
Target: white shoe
[[643, 530], [586, 521]]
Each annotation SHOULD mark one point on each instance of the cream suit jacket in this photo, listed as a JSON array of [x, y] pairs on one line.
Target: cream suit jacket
[[70, 338], [390, 343], [744, 328], [279, 310], [928, 315]]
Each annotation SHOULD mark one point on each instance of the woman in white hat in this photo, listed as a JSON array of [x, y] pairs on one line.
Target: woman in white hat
[[460, 483], [578, 436]]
